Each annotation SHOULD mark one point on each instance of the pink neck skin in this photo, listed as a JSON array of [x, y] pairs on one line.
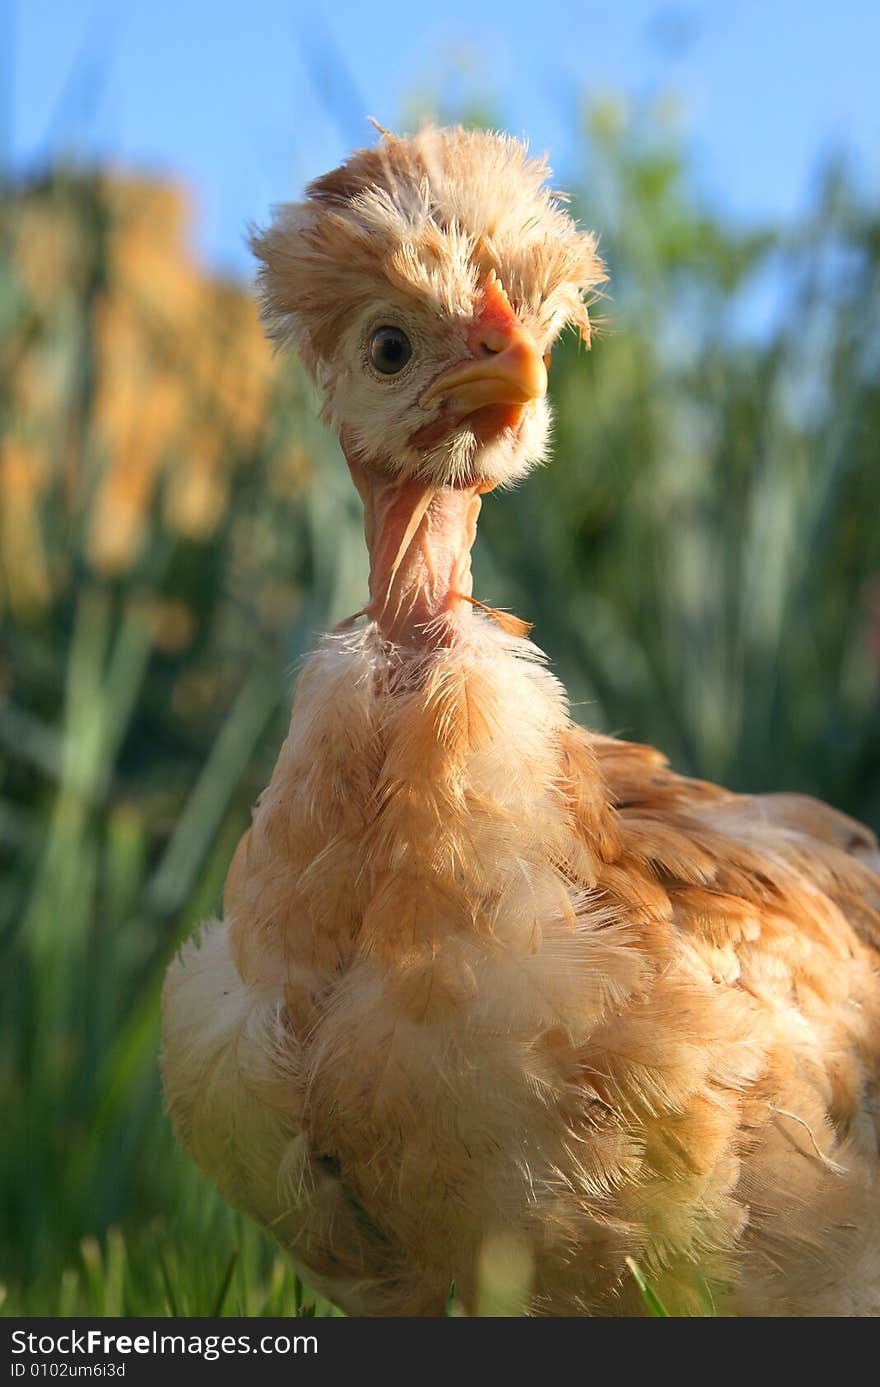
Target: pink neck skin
[[420, 539]]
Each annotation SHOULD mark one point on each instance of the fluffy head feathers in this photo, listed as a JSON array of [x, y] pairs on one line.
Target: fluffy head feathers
[[408, 232], [430, 216]]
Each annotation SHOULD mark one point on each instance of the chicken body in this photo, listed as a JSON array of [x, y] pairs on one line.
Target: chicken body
[[483, 974]]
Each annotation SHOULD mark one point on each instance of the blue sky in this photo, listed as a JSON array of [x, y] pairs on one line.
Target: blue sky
[[225, 94]]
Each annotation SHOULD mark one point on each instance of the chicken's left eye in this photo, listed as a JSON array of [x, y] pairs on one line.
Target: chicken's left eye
[[390, 350]]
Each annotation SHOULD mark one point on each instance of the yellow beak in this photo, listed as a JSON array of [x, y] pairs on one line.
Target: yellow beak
[[509, 373]]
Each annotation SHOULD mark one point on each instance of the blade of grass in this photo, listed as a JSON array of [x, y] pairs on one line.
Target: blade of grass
[[649, 1295], [224, 1286], [166, 1282]]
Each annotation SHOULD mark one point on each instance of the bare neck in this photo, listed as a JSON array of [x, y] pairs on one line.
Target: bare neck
[[420, 539]]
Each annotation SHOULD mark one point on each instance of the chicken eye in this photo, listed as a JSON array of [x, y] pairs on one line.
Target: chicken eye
[[390, 350]]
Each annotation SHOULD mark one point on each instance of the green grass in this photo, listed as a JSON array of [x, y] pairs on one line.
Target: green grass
[[155, 1271]]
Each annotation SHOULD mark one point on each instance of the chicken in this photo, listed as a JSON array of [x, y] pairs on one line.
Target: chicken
[[482, 973]]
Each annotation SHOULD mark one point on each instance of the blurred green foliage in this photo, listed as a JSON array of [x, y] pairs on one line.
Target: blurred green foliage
[[701, 562]]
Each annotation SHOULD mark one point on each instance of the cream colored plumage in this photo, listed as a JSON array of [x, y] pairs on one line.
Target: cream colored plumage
[[482, 972]]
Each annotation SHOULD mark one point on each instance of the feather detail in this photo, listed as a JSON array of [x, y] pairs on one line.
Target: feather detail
[[495, 971], [510, 624]]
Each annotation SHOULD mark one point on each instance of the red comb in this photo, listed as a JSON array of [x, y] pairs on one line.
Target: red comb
[[495, 312]]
